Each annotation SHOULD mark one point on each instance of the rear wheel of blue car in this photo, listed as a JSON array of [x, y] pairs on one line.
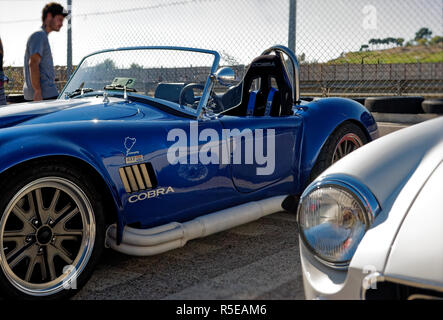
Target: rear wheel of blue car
[[344, 140], [51, 231]]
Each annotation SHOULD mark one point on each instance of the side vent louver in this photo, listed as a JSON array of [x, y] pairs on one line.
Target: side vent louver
[[138, 177]]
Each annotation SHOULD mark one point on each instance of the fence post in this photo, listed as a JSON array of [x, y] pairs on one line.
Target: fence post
[[292, 32], [348, 72], [69, 49]]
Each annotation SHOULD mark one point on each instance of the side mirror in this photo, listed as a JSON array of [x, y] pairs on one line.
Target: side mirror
[[226, 76]]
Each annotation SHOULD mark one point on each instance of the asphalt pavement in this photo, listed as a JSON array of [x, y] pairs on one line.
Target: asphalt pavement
[[259, 260]]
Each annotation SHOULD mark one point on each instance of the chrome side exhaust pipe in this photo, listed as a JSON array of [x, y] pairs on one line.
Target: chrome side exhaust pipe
[[148, 242]]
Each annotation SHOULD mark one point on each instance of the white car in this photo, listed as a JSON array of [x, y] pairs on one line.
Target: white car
[[371, 226]]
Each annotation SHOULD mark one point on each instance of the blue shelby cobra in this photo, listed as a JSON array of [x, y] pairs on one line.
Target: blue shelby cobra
[[149, 147]]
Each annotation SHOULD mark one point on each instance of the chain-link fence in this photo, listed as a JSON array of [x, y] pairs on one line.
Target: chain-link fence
[[345, 47]]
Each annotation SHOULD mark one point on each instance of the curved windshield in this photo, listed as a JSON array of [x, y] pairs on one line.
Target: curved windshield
[[175, 77]]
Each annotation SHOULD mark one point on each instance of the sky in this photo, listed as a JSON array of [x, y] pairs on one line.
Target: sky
[[241, 29]]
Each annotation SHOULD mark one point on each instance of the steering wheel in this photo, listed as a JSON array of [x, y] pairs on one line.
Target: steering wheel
[[184, 93], [214, 101]]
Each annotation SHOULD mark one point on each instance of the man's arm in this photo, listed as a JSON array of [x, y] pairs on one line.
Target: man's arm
[[1, 55], [34, 70]]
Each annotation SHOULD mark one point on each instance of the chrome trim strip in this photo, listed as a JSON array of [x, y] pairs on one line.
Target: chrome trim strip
[[131, 179], [423, 297], [146, 175], [405, 282], [138, 176], [124, 180]]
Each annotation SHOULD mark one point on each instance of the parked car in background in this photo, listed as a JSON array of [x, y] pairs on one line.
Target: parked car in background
[[145, 140], [371, 226]]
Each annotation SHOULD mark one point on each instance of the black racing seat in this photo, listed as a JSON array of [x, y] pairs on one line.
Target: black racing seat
[[265, 68], [171, 92]]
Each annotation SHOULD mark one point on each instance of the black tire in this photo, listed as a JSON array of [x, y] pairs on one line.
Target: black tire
[[15, 98], [433, 106], [54, 243], [411, 105], [329, 149], [360, 100]]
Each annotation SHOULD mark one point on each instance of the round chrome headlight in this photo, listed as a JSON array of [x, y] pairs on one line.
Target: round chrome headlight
[[332, 221]]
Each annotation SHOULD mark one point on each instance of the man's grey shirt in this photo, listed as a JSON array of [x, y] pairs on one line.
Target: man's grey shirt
[[38, 43]]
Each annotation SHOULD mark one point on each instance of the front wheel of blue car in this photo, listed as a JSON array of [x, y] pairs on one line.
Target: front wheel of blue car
[[51, 232]]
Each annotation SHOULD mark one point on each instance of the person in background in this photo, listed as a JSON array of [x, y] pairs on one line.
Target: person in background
[[38, 65], [2, 77]]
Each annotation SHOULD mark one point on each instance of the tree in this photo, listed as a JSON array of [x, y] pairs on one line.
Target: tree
[[423, 33], [135, 66], [399, 42], [107, 64], [422, 42], [105, 70], [301, 58], [436, 40], [378, 42], [364, 47], [384, 41], [392, 40], [375, 42]]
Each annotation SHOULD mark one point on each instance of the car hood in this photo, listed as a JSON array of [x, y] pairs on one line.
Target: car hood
[[66, 110]]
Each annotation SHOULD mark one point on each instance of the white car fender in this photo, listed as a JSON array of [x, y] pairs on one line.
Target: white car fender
[[417, 252], [375, 247]]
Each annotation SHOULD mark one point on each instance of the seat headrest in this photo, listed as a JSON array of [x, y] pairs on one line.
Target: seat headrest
[[266, 64]]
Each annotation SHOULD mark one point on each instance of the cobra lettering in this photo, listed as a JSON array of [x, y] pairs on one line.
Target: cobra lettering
[[150, 194]]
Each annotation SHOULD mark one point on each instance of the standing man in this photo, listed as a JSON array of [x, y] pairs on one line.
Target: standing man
[[2, 77], [38, 65]]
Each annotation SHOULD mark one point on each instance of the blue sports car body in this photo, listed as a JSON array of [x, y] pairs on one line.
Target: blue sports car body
[[121, 137]]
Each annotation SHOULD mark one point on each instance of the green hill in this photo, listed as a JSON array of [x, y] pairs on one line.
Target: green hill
[[412, 54]]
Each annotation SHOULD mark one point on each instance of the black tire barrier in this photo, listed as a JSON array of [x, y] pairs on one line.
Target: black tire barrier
[[360, 100], [395, 104], [433, 106], [15, 98]]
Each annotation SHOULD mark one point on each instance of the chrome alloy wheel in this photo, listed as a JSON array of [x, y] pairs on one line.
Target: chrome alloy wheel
[[346, 145], [48, 225]]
